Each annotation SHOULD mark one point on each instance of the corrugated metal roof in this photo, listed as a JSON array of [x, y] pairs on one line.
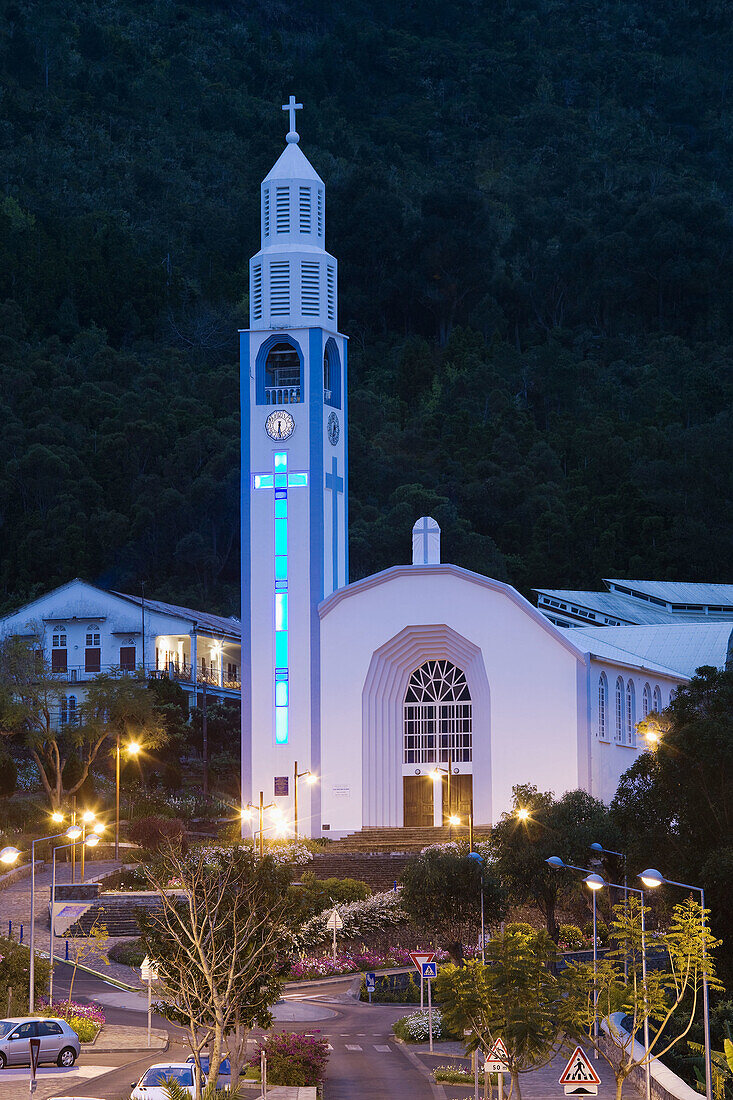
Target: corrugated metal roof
[[613, 604], [676, 647], [217, 624], [698, 592]]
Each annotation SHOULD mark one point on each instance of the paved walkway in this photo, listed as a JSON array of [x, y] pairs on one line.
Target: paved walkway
[[121, 1039]]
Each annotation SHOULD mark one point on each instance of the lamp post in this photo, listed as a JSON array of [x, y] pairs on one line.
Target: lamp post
[[596, 847], [87, 820], [310, 779], [261, 811], [652, 879], [91, 842], [436, 775], [73, 832], [132, 750], [594, 883], [478, 858]]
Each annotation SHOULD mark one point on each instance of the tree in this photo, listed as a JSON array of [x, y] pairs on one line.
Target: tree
[[441, 892], [669, 1002], [675, 804], [29, 704], [522, 843], [514, 997], [218, 940]]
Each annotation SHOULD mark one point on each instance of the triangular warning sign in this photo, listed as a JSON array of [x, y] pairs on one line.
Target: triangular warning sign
[[579, 1071], [498, 1052], [420, 957]]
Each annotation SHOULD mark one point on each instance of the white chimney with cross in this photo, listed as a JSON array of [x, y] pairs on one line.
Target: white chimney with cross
[[426, 542]]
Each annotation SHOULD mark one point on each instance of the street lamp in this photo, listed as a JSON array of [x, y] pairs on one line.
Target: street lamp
[[91, 842], [310, 779], [594, 883], [132, 750], [73, 832], [87, 819], [653, 878], [9, 855], [478, 858], [437, 777], [272, 806], [621, 855]]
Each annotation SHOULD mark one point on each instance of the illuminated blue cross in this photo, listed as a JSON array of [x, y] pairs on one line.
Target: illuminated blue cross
[[336, 485]]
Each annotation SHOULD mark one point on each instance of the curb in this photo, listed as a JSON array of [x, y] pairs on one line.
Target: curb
[[436, 1088], [135, 1050], [103, 977]]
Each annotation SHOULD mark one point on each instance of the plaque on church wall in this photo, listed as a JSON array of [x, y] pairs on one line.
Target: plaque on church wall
[[281, 785], [341, 792]]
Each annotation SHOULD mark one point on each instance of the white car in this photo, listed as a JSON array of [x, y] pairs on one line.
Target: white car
[[224, 1080], [150, 1085]]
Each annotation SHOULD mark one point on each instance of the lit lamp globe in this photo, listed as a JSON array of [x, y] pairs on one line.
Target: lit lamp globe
[[87, 817], [523, 814], [9, 855], [99, 828], [311, 779], [454, 819], [246, 814], [652, 878], [133, 748], [92, 841], [555, 862], [594, 882], [57, 817], [73, 832]]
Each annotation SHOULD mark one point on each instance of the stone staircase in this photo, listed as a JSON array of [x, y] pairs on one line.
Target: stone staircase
[[382, 839], [379, 870], [117, 912]]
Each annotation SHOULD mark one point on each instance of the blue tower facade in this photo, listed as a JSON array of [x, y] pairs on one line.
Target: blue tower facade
[[294, 484]]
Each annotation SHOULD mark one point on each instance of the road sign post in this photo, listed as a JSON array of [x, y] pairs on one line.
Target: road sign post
[[579, 1078], [149, 974], [371, 984], [428, 971], [418, 958], [35, 1045], [333, 924]]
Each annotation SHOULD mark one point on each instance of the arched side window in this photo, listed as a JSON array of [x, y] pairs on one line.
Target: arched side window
[[438, 720], [603, 707], [279, 372], [332, 375], [72, 709], [646, 703], [657, 699], [620, 711], [630, 730]]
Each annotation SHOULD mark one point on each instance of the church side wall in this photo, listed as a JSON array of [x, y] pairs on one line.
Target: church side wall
[[532, 680]]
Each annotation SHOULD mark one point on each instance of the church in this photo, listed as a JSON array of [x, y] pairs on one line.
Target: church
[[426, 690]]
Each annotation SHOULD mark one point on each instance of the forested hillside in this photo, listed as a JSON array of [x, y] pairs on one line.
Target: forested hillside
[[531, 206]]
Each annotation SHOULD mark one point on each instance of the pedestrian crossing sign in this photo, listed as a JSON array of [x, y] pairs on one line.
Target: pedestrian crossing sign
[[579, 1077]]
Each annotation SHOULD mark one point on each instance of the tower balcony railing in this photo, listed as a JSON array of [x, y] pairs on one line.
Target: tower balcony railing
[[282, 395]]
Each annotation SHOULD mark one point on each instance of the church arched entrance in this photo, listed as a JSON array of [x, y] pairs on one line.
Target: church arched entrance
[[438, 741]]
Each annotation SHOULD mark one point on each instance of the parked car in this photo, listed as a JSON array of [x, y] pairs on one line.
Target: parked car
[[59, 1041], [224, 1080], [150, 1085]]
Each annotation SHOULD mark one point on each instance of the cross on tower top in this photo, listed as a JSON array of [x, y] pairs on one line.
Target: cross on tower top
[[292, 107]]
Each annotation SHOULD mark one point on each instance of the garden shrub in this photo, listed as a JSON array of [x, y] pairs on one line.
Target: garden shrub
[[86, 1020], [572, 937], [14, 974], [601, 931], [130, 953], [519, 927], [153, 833], [415, 1028], [293, 1059], [394, 989], [8, 775]]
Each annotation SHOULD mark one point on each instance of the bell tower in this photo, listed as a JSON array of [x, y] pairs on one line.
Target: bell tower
[[294, 483]]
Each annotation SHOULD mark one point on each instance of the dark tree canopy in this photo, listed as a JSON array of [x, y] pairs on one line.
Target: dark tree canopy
[[528, 203]]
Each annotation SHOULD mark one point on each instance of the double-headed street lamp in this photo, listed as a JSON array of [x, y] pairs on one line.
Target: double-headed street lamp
[[310, 779], [73, 833], [250, 808], [594, 883], [653, 878], [91, 842]]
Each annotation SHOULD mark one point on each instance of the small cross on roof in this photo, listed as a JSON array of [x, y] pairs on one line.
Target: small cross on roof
[[291, 106]]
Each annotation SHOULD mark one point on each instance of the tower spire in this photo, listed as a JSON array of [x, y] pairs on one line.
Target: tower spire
[[291, 106]]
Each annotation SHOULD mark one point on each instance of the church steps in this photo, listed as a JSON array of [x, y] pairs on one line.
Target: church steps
[[394, 840]]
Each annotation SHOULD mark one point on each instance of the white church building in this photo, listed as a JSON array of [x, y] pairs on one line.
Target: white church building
[[380, 687]]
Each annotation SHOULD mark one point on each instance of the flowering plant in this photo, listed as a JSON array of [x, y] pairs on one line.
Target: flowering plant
[[293, 1059], [416, 1028], [377, 913], [86, 1019]]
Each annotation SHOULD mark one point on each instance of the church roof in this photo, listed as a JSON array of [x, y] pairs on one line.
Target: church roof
[[292, 164], [674, 648]]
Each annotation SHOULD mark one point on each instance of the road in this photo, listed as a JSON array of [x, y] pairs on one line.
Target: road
[[364, 1059]]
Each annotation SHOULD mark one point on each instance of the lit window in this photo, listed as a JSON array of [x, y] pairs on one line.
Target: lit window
[[281, 611], [437, 719]]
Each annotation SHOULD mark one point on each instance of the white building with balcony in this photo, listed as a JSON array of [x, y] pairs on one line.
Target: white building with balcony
[[84, 630]]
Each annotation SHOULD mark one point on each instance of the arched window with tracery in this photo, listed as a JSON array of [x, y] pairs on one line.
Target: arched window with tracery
[[438, 715], [620, 711], [658, 699], [630, 724], [646, 702], [603, 707]]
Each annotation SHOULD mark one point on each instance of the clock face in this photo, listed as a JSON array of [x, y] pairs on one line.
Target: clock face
[[279, 424], [333, 429]]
